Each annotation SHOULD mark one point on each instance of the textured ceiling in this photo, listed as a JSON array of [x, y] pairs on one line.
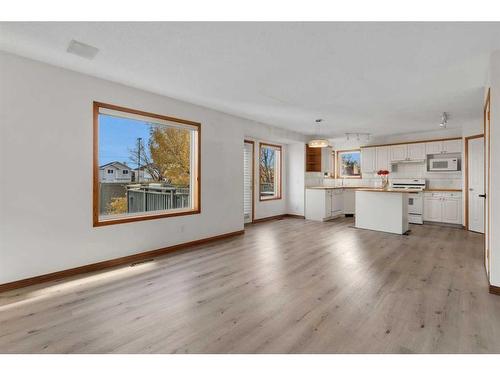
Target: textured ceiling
[[381, 78]]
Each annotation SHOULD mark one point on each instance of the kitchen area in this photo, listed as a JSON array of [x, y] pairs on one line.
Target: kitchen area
[[386, 187]]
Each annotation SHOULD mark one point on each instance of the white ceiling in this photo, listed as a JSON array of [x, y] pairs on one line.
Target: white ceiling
[[382, 78]]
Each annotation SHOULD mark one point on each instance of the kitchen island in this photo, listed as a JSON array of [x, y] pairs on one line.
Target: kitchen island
[[384, 210]]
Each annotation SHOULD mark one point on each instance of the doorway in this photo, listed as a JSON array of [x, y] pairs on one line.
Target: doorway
[[474, 180], [248, 181]]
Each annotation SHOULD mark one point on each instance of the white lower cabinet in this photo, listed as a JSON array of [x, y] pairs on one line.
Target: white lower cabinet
[[324, 204], [443, 207], [433, 209], [337, 202]]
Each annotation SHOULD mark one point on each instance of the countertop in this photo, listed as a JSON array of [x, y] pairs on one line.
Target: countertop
[[448, 190], [368, 188]]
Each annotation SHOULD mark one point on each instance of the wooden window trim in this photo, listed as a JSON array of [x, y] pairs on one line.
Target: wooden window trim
[[95, 189], [338, 164], [280, 195]]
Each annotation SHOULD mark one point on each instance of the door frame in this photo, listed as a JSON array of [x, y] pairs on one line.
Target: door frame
[[466, 168], [487, 208], [253, 178]]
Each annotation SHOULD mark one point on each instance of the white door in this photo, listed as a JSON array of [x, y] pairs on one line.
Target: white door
[[452, 210], [416, 151], [248, 182], [399, 152], [475, 167]]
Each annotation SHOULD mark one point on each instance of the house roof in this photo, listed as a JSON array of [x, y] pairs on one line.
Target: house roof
[[115, 164]]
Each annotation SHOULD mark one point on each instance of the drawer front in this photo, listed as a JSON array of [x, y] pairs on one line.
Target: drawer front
[[434, 195]]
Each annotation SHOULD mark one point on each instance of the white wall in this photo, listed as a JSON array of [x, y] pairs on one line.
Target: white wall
[[46, 126], [495, 170]]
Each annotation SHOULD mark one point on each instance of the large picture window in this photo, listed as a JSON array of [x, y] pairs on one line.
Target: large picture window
[[146, 166], [269, 172], [349, 164]]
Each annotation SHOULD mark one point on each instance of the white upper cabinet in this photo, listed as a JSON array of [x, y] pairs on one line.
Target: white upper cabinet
[[416, 151], [368, 160], [453, 146], [382, 158], [399, 152], [433, 148]]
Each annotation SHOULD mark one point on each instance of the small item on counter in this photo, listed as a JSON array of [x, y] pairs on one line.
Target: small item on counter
[[384, 176]]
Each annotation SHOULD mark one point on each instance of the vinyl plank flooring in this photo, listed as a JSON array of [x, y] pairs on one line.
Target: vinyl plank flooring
[[286, 286]]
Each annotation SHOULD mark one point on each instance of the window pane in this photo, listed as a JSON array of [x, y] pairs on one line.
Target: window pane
[[151, 166], [269, 172], [349, 163]]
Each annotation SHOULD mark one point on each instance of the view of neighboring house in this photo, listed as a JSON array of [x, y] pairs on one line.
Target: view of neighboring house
[[143, 173], [115, 172]]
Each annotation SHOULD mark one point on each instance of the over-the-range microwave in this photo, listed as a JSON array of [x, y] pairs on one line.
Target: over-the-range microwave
[[450, 164]]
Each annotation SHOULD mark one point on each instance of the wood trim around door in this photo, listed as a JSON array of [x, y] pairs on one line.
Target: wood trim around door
[[466, 168], [486, 132], [253, 177]]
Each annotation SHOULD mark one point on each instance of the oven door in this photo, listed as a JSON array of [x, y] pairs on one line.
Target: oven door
[[415, 204]]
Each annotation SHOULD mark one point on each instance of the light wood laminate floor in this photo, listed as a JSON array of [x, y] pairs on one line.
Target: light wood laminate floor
[[286, 286]]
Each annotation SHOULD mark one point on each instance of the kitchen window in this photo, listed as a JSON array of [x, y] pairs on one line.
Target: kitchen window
[[164, 155], [269, 172], [349, 164]]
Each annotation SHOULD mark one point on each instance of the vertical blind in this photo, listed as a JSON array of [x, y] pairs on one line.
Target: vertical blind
[[247, 190]]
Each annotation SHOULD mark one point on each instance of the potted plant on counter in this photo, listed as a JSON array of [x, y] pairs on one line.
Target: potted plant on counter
[[384, 176]]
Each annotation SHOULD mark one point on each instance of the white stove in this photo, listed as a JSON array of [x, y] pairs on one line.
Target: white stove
[[415, 186]]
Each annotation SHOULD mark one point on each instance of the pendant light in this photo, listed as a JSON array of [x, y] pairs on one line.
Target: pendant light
[[318, 142]]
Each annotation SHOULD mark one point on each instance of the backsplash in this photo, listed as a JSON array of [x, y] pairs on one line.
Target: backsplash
[[434, 180]]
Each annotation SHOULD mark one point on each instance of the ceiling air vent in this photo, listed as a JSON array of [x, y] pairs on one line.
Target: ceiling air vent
[[81, 49]]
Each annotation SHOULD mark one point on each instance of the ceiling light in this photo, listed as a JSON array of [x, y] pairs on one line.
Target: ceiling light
[[364, 137], [444, 120], [81, 49], [318, 142]]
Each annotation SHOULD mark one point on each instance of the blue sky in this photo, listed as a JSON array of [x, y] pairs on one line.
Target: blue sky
[[117, 136]]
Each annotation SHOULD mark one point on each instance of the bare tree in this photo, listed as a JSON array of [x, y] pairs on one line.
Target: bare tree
[[140, 157], [267, 158]]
